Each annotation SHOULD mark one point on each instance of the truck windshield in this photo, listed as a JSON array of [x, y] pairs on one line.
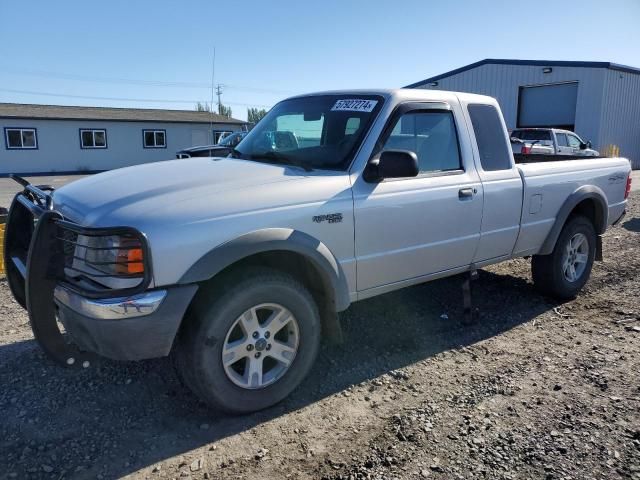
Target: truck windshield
[[320, 131]]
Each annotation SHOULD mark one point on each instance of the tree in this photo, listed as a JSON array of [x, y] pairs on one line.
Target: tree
[[223, 110], [203, 107], [254, 115]]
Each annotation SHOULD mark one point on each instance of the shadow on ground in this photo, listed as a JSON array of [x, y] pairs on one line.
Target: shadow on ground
[[117, 418], [632, 225]]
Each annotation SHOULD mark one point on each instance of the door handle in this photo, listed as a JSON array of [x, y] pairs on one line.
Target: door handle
[[466, 193]]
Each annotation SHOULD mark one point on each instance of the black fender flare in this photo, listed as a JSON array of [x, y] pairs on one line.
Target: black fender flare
[[275, 239], [586, 192]]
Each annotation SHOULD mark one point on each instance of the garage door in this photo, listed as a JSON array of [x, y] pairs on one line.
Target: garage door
[[548, 106]]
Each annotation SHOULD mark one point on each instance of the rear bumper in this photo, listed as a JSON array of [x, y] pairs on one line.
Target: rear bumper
[[620, 218], [130, 334]]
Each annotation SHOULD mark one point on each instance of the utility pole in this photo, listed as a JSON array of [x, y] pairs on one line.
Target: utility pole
[[219, 93], [213, 76]]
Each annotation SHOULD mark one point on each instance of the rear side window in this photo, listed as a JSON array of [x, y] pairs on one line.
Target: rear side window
[[562, 140], [492, 145]]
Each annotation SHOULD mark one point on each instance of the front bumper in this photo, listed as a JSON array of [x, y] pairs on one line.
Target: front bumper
[[129, 323], [135, 328]]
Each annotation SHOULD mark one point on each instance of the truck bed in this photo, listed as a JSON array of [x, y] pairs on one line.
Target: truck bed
[[547, 185]]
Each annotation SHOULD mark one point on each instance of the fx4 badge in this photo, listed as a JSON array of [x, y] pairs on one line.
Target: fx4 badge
[[329, 217]]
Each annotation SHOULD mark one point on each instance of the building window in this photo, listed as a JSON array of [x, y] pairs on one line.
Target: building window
[[219, 135], [154, 138], [90, 138], [20, 138]]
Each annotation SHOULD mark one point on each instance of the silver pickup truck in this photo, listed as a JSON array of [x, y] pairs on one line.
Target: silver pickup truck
[[239, 265], [550, 141]]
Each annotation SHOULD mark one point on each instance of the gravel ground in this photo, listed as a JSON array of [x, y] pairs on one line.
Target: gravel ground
[[535, 389]]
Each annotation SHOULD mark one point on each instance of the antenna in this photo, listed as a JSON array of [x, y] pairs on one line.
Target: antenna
[[213, 76]]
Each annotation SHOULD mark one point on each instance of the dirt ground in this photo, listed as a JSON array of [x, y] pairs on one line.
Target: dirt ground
[[535, 389]]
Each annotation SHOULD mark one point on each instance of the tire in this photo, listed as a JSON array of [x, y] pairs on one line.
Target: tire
[[220, 319], [550, 273]]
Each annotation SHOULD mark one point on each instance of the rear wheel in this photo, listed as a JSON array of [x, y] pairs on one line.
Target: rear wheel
[[564, 272], [248, 347]]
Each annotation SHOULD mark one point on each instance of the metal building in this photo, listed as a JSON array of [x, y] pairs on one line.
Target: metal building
[[600, 101], [51, 138]]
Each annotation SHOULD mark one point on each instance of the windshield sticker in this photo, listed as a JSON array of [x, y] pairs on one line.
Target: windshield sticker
[[354, 105]]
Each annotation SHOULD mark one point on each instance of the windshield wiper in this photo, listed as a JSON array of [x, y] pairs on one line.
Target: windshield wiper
[[273, 157]]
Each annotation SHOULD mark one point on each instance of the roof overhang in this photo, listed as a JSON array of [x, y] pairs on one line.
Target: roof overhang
[[539, 63]]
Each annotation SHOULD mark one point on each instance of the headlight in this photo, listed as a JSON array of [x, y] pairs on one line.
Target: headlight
[[114, 255]]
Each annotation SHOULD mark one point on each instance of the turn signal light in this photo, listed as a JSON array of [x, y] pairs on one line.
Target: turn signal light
[[627, 189], [130, 261]]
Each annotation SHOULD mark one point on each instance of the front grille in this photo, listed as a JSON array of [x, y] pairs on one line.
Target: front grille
[[68, 241], [93, 262]]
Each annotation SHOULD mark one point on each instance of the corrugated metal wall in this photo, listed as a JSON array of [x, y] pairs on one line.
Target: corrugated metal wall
[[503, 82], [620, 123]]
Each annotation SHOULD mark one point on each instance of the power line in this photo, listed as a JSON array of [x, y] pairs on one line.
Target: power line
[[131, 81], [87, 78], [120, 99], [260, 90]]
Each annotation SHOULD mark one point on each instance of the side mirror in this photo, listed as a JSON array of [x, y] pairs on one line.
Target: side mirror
[[393, 164], [583, 146]]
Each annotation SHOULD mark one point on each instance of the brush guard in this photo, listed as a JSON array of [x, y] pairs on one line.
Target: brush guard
[[39, 250]]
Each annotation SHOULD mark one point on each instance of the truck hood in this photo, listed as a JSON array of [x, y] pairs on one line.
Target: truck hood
[[170, 188]]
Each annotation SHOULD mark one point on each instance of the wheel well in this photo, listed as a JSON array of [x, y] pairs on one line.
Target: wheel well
[[294, 264], [592, 210], [299, 266]]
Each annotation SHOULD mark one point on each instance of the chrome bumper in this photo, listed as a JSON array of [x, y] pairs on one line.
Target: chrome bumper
[[111, 308]]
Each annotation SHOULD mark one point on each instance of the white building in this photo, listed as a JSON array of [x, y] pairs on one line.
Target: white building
[[600, 101], [49, 138]]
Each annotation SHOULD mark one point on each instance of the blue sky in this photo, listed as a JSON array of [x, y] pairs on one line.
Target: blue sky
[[265, 51]]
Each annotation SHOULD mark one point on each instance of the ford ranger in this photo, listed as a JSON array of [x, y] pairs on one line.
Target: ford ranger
[[237, 266]]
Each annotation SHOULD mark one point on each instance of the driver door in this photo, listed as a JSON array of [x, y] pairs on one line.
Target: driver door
[[407, 229], [574, 143]]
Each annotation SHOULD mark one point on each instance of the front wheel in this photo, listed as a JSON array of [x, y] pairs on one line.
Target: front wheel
[[564, 272], [248, 347]]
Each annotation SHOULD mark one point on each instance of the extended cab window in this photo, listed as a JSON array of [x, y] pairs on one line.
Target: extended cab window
[[431, 135], [561, 138], [492, 144], [317, 131]]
